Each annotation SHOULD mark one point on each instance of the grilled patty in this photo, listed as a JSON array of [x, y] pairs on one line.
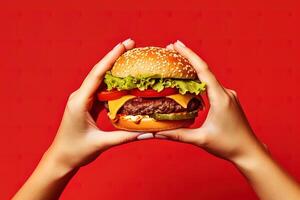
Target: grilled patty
[[148, 106]]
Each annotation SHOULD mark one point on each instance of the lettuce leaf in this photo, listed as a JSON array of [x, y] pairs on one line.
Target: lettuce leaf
[[158, 84]]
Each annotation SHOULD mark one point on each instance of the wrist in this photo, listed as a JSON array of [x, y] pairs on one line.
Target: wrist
[[54, 168], [252, 159]]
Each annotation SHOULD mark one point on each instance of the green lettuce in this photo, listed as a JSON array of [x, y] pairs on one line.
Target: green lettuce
[[158, 84]]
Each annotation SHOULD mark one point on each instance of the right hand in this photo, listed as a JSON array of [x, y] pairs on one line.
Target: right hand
[[79, 141], [226, 132]]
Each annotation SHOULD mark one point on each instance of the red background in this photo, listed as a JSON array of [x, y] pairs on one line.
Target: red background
[[48, 47]]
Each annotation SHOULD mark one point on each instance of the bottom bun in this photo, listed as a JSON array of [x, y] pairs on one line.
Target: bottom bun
[[150, 124]]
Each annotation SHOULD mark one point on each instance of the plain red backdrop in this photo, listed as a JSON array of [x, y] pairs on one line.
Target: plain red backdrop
[[48, 47]]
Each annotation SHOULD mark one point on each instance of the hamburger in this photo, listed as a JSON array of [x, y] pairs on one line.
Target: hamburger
[[151, 89]]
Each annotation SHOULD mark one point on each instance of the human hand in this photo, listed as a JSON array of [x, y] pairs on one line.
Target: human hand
[[226, 132], [79, 141]]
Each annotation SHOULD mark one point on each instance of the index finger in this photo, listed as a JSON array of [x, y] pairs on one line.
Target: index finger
[[95, 76], [205, 75]]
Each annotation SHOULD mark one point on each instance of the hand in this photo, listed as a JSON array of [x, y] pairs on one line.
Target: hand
[[79, 141], [226, 132]]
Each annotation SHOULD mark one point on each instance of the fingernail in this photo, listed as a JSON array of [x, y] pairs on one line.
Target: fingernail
[[145, 136], [160, 136], [117, 45], [180, 43], [126, 41], [170, 47]]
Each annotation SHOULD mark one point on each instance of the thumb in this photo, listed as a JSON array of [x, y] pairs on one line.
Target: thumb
[[192, 136], [118, 137]]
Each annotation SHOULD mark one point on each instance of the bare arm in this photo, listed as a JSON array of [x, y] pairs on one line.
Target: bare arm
[[47, 181], [267, 178], [78, 141], [227, 134]]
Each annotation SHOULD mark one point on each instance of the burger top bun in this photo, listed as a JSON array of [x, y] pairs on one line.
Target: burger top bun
[[153, 61]]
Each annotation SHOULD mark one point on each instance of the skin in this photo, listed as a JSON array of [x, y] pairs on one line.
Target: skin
[[228, 136], [78, 141]]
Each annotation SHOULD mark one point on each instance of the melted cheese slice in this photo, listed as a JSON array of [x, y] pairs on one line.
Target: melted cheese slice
[[115, 105], [182, 100]]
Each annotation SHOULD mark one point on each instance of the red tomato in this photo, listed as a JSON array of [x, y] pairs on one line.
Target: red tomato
[[153, 93], [111, 95]]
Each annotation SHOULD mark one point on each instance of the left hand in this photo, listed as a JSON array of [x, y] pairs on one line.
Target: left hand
[[79, 141], [226, 132]]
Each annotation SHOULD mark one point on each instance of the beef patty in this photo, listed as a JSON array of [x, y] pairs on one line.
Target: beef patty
[[148, 106]]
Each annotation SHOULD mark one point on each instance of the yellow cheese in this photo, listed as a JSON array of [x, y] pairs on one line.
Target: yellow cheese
[[182, 100], [115, 105]]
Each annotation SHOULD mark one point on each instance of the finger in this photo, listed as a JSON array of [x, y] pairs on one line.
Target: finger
[[117, 137], [95, 76], [129, 44], [170, 47], [158, 136], [231, 92], [181, 135], [266, 147], [205, 75], [144, 136]]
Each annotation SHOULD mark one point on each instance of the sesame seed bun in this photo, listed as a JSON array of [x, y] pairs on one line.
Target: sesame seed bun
[[150, 124], [153, 61]]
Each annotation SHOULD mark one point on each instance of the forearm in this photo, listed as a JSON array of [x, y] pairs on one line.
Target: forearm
[[267, 178], [46, 182]]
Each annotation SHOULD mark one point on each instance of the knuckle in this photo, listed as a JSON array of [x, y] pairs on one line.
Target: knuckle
[[126, 140], [183, 136], [102, 143], [203, 140], [94, 76], [205, 65], [227, 100], [179, 136], [234, 92], [231, 93], [265, 147], [105, 144], [71, 104], [71, 96], [73, 101]]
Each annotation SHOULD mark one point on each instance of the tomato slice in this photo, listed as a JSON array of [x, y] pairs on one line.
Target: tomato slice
[[106, 95], [150, 93]]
